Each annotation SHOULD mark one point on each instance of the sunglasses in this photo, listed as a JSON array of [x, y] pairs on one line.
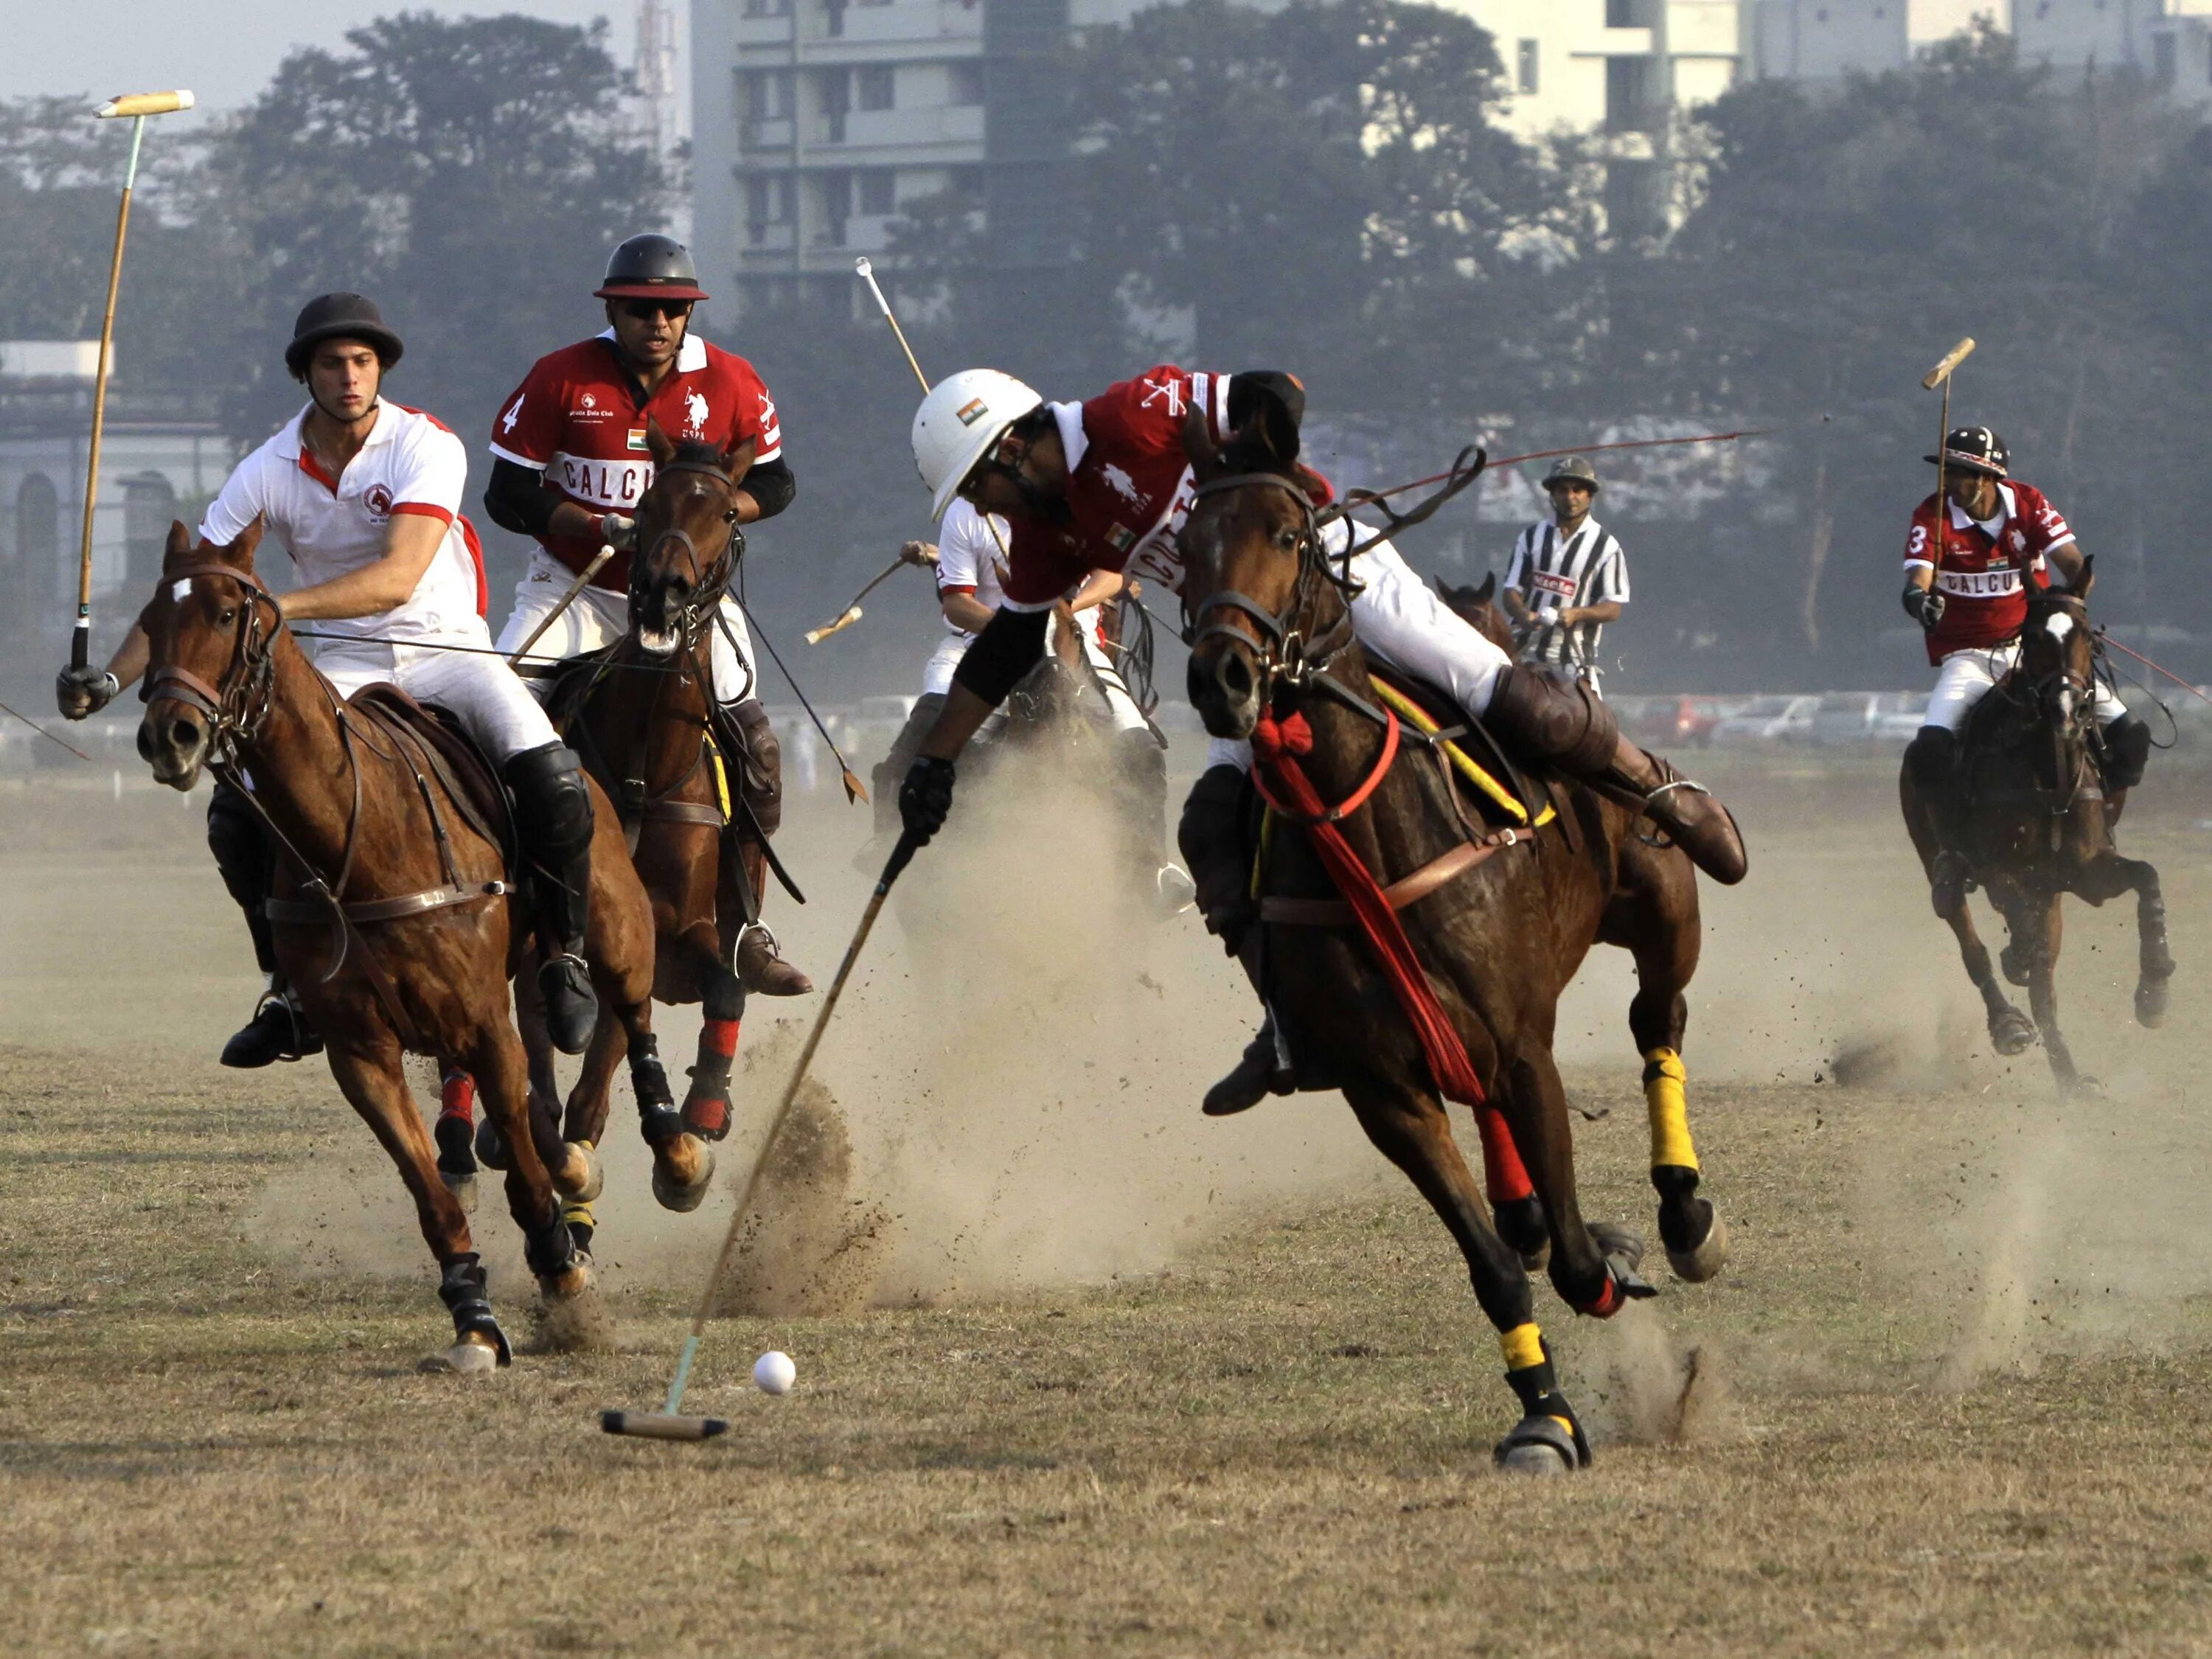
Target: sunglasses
[[644, 311]]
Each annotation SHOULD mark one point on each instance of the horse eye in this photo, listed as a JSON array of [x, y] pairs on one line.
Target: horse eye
[[1286, 539], [227, 615], [730, 517]]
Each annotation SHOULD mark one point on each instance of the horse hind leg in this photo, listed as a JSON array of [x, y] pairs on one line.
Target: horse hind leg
[[455, 1135], [1593, 1268], [376, 1087], [503, 1079], [2037, 929], [1408, 1125]]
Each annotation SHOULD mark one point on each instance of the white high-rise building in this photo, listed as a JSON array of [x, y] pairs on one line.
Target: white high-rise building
[[1620, 67]]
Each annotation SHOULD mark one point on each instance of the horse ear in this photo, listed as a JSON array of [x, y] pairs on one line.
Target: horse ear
[[178, 548], [238, 554], [2087, 579], [663, 448], [1198, 446], [737, 458], [1488, 591]]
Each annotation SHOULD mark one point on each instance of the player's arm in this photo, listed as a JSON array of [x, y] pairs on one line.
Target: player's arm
[[1921, 602], [963, 610], [1099, 587], [1606, 610], [768, 489], [2068, 562], [517, 499], [411, 543]]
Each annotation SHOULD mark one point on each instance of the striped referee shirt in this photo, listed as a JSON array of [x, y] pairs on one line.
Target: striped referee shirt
[[1554, 574]]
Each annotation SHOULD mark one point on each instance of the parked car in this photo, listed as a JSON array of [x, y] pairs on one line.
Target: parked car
[[1769, 719]]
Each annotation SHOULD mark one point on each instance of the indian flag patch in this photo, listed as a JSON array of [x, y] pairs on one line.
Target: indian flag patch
[[1123, 536], [971, 411], [637, 439]]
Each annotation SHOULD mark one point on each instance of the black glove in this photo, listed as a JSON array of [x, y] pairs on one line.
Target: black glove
[[925, 798], [1925, 606], [81, 691]]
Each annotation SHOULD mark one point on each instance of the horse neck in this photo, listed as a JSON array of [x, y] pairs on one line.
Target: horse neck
[[302, 777], [647, 721]]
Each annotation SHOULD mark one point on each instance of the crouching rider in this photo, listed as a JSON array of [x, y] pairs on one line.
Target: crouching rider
[[569, 464], [1105, 485], [1969, 562], [366, 496]]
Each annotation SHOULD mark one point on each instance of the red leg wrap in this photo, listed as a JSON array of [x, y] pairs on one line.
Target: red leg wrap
[[719, 1037], [457, 1096], [1506, 1177], [1607, 1304]]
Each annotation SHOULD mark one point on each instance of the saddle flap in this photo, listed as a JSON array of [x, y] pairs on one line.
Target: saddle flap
[[466, 771], [1504, 795]]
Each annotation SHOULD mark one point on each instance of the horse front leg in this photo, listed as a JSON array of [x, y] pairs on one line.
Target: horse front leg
[[2011, 1031], [2036, 930], [376, 1087], [2107, 877], [1593, 1268], [502, 1074], [1406, 1123]]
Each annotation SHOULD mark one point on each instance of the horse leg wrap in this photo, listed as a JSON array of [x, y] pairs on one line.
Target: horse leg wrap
[[657, 1119], [707, 1103], [1529, 1374], [580, 1222], [1664, 1097], [549, 1248], [1505, 1177], [462, 1288]]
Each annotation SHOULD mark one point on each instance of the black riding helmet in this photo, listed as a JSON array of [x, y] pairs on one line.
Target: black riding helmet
[[340, 316], [650, 267], [1974, 449]]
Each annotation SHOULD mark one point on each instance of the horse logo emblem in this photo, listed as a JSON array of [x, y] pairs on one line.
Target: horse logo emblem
[[378, 501], [694, 413], [1123, 484], [590, 402]]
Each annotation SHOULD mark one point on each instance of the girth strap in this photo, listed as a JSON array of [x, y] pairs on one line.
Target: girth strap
[[1407, 890]]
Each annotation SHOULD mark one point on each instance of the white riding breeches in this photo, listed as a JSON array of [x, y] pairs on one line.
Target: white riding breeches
[[492, 704], [598, 618], [1967, 677], [1120, 707], [1401, 619]]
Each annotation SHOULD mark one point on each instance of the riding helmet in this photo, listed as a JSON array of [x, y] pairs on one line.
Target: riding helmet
[[1974, 449], [1573, 470], [340, 316], [650, 267]]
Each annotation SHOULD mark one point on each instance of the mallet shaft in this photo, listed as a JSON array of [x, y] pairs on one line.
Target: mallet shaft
[[866, 273], [583, 580]]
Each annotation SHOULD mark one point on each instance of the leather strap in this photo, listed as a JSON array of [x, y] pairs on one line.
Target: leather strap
[[387, 909], [683, 811], [1409, 889]]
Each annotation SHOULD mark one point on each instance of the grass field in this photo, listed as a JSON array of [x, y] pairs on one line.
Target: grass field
[[1100, 1376]]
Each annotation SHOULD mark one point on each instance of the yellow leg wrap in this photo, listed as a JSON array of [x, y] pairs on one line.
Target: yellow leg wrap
[[572, 1211], [1522, 1346], [1664, 1078]]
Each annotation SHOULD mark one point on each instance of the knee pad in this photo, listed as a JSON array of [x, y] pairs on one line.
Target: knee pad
[[234, 834], [2127, 752], [761, 766], [550, 791], [1932, 756], [1210, 836]]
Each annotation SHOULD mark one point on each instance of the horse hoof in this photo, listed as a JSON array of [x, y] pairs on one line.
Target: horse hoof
[[1539, 1445], [492, 1150], [466, 1358], [2150, 1003], [2014, 965], [580, 1176], [463, 1187], [572, 1281], [2083, 1087], [1614, 1240], [1697, 1265], [2012, 1032], [681, 1172]]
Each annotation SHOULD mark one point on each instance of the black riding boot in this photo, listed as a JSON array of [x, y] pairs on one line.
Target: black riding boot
[[278, 1030], [757, 775], [1142, 764], [1563, 723], [2127, 752], [1932, 758], [1215, 847], [553, 816]]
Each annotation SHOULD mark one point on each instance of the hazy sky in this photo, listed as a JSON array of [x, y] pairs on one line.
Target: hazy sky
[[225, 50]]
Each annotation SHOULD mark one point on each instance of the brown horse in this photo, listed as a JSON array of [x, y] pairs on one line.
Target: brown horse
[[1496, 940], [395, 916], [644, 719], [2038, 824]]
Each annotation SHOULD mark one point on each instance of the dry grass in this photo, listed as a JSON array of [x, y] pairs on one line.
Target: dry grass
[[1948, 1397]]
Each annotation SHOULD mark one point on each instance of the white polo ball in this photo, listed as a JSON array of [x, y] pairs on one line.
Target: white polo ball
[[773, 1373]]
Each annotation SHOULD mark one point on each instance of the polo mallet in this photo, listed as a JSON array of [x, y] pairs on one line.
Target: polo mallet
[[851, 613], [1939, 376], [583, 580], [866, 273], [137, 105], [666, 1424]]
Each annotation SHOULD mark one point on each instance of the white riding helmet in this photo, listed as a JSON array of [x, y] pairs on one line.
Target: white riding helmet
[[960, 422]]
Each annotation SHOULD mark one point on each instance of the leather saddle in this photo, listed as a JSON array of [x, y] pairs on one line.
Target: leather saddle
[[436, 739]]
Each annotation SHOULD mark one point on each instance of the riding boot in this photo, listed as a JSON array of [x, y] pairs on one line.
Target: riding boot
[[1932, 759], [1143, 765], [278, 1030], [1564, 723], [553, 817], [760, 965], [2127, 752], [1215, 847]]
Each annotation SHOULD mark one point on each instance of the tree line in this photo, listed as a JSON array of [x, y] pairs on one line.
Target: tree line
[[1325, 188]]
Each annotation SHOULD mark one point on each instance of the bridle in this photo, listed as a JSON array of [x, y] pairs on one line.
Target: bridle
[[713, 578], [238, 705]]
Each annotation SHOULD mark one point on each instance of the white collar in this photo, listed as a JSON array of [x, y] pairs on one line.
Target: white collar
[[1073, 438], [1589, 523], [2007, 508], [691, 356], [291, 441]]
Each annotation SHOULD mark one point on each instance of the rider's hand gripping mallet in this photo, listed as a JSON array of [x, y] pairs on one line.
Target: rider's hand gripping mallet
[[137, 105], [666, 1424], [583, 580]]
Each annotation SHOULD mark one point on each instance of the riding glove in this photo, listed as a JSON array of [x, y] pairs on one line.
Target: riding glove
[[1925, 606], [618, 532], [81, 691], [925, 798]]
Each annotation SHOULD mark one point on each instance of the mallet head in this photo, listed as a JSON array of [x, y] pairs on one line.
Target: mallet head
[[659, 1426], [1941, 372], [144, 103], [816, 635]]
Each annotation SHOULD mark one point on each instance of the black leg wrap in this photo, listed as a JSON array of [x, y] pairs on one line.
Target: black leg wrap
[[658, 1121], [2127, 752], [1537, 1387], [549, 1248], [462, 1289], [457, 1153], [1521, 1223]]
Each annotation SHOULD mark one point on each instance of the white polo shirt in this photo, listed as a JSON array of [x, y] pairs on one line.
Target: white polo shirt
[[412, 463]]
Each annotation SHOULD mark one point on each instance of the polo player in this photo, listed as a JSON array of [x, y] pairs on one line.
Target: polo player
[[1967, 570], [969, 560], [1105, 485], [365, 494], [569, 464]]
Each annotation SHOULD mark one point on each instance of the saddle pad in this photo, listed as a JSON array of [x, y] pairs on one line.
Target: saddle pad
[[463, 769], [1428, 713]]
